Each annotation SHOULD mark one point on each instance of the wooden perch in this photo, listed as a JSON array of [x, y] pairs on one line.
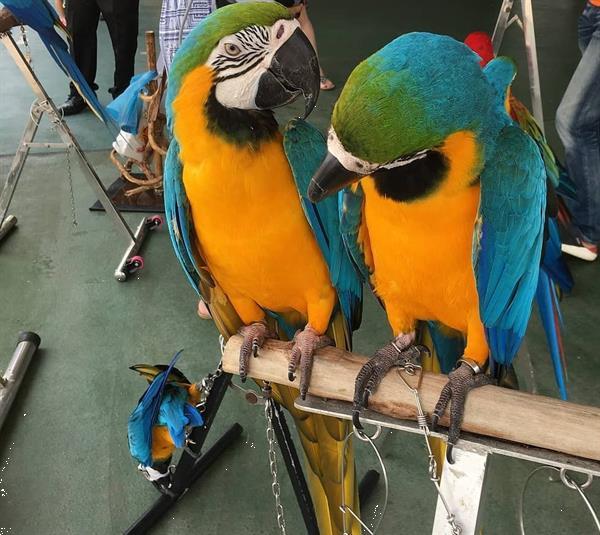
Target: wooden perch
[[491, 411]]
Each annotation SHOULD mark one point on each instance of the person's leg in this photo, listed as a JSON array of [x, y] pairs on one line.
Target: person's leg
[[121, 17], [578, 125], [308, 29], [82, 22]]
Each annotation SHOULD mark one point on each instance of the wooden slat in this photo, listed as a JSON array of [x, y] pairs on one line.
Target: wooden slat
[[491, 411]]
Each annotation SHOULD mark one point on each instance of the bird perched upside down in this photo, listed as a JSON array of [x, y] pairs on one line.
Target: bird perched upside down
[[447, 218], [162, 417], [248, 242]]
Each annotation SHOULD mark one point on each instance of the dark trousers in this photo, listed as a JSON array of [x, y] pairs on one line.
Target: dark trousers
[[121, 17]]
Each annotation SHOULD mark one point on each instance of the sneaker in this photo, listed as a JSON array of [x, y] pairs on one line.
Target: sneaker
[[573, 245], [73, 105]]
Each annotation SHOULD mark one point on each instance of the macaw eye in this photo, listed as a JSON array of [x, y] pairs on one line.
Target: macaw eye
[[232, 49]]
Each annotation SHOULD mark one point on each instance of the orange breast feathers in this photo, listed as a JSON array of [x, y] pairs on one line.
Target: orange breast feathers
[[247, 215], [422, 250]]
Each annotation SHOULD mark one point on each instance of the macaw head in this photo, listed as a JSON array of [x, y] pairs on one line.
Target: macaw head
[[481, 44], [256, 54], [409, 116]]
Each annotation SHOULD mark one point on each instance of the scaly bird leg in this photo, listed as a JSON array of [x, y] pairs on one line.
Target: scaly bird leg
[[254, 335], [305, 344], [460, 381], [399, 352]]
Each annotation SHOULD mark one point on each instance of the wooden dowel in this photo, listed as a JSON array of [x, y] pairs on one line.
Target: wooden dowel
[[491, 411]]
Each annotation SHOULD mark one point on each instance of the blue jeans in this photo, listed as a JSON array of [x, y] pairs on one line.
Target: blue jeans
[[578, 125]]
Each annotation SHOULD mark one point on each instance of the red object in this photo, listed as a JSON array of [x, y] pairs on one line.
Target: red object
[[481, 44]]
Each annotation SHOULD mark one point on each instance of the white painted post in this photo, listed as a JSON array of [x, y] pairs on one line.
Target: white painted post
[[461, 486]]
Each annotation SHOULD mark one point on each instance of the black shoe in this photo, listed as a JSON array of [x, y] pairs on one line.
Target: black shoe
[[73, 105], [116, 91]]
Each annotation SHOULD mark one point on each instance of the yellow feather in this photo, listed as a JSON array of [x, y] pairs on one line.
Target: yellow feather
[[261, 253]]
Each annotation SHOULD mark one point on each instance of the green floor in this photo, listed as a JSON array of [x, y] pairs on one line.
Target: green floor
[[64, 463]]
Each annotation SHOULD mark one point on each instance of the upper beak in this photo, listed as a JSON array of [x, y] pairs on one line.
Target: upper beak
[[294, 71], [330, 177]]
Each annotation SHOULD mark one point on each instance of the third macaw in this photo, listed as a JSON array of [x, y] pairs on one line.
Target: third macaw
[[444, 207]]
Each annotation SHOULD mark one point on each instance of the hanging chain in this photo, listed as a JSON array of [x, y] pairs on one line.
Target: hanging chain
[[412, 370], [269, 403], [27, 53], [71, 191]]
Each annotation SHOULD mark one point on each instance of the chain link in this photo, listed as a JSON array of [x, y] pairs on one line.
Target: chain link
[[275, 488], [71, 191], [412, 370], [26, 44]]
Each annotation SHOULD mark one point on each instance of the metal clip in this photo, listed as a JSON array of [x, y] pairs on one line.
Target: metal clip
[[411, 369]]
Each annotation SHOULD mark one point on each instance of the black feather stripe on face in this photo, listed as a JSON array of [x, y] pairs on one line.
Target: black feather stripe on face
[[253, 42], [415, 180]]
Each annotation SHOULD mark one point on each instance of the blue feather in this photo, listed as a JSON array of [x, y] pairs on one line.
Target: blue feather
[[161, 404], [305, 149], [508, 241], [41, 16]]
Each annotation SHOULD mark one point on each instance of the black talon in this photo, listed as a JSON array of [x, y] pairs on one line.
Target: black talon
[[356, 419], [365, 398], [435, 419], [291, 376], [449, 457], [255, 348]]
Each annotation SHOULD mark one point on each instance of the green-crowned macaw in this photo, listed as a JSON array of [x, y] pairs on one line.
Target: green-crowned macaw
[[263, 258], [41, 16], [162, 417], [444, 207]]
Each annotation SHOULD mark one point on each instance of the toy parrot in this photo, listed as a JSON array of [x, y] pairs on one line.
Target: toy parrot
[[444, 206], [41, 16], [265, 260], [163, 415]]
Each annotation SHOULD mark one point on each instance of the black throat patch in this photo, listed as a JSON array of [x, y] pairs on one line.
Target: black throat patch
[[416, 180], [240, 127]]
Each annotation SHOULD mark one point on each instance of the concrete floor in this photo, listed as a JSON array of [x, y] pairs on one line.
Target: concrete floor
[[64, 463]]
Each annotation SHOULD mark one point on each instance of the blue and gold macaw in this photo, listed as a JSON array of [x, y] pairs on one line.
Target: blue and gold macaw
[[444, 206], [162, 417], [265, 260], [42, 17]]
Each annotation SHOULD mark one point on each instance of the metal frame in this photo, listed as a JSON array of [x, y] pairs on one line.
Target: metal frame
[[193, 463], [526, 24], [462, 482], [11, 380], [44, 104]]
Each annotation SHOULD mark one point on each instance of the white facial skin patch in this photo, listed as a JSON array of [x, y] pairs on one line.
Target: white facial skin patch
[[356, 165], [240, 59]]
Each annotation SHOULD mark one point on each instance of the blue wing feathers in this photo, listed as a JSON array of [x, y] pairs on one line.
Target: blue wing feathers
[[41, 16], [161, 404], [177, 215], [305, 148], [509, 240]]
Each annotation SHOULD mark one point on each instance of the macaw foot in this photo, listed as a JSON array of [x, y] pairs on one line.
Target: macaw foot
[[305, 344], [460, 381], [397, 353], [254, 335]]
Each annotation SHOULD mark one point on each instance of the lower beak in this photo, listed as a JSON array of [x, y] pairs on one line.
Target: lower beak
[[330, 177], [294, 71]]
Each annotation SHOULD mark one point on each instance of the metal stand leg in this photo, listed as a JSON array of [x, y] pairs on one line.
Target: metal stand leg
[[193, 463], [294, 469], [503, 22], [44, 104], [10, 382]]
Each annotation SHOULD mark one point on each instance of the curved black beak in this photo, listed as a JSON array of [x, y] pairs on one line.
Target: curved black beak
[[330, 177], [294, 71]]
